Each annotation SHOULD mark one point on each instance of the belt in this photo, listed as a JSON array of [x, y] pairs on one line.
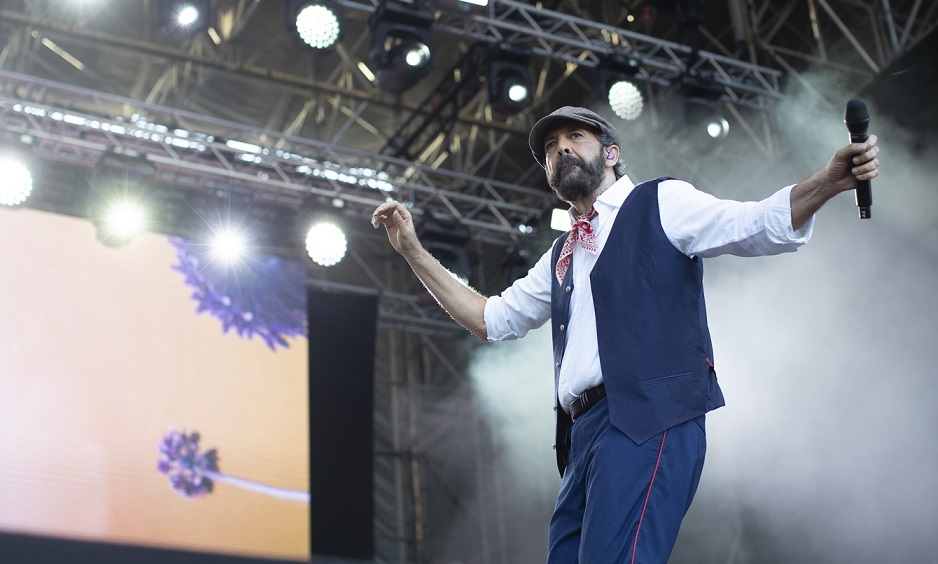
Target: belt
[[586, 400]]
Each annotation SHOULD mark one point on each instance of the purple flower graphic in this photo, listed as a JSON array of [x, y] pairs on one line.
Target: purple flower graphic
[[193, 474], [190, 472], [262, 296]]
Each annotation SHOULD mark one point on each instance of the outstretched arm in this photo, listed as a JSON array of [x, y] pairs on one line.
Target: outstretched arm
[[857, 160], [463, 303]]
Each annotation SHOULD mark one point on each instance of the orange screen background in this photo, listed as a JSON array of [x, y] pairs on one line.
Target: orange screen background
[[101, 353]]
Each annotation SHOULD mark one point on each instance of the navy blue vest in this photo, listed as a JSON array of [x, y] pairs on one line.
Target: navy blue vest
[[651, 324]]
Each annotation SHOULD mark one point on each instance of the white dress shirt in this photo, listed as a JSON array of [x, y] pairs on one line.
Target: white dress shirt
[[696, 223]]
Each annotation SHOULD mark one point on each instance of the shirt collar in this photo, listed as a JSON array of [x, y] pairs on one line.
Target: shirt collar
[[612, 198], [616, 194]]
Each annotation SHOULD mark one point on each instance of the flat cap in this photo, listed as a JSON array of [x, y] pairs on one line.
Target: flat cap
[[572, 113]]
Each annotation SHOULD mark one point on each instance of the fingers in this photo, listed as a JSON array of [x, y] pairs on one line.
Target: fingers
[[864, 161], [868, 171], [385, 213]]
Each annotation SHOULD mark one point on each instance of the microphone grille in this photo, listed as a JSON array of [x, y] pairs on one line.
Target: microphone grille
[[856, 111]]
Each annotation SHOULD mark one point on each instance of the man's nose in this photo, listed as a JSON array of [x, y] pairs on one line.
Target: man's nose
[[563, 148]]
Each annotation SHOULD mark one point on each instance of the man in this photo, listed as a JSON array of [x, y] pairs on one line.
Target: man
[[634, 373]]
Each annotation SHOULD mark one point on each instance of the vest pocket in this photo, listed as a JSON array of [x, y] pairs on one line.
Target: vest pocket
[[671, 378]]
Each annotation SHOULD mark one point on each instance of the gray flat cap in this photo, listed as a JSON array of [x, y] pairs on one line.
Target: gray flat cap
[[581, 115]]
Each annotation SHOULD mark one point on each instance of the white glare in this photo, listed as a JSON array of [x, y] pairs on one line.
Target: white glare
[[317, 26], [125, 220], [16, 182], [326, 244], [228, 246], [718, 128], [560, 220], [625, 100], [517, 93], [187, 15], [418, 55]]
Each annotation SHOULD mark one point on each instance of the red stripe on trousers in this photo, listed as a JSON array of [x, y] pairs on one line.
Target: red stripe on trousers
[[648, 495]]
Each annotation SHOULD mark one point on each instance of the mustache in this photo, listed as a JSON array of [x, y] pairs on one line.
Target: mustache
[[569, 160]]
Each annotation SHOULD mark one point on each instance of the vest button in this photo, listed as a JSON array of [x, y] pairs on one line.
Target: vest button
[[567, 289], [558, 365], [562, 326]]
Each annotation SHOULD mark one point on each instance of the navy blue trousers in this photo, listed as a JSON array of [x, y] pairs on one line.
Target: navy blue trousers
[[620, 502]]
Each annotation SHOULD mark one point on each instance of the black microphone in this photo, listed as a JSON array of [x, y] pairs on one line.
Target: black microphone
[[857, 118]]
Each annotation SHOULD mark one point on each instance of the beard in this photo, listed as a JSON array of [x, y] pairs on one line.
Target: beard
[[575, 179]]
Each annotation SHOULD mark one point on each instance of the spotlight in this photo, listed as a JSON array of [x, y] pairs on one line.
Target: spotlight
[[183, 18], [625, 100], [618, 82], [16, 181], [326, 244], [117, 206], [228, 245], [124, 220], [508, 80], [401, 48], [315, 24], [718, 127], [699, 115]]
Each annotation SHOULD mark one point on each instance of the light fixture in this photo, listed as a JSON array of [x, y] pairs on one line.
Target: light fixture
[[702, 115], [508, 80], [184, 18], [401, 45], [121, 188], [618, 82], [315, 24], [228, 245], [718, 127], [16, 180], [702, 93], [326, 244]]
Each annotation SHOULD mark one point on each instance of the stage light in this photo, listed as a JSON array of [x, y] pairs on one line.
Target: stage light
[[316, 24], [124, 220], [16, 181], [508, 81], [183, 18], [121, 189], [718, 127], [228, 245], [625, 99], [188, 15], [326, 244], [701, 120], [617, 80], [401, 45]]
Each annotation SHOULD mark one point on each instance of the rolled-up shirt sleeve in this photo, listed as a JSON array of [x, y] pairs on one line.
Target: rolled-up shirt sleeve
[[523, 306], [699, 224]]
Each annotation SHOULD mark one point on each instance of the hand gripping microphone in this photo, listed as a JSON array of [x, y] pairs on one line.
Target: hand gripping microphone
[[857, 118]]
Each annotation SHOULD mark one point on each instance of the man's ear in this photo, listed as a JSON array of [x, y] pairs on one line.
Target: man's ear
[[612, 155]]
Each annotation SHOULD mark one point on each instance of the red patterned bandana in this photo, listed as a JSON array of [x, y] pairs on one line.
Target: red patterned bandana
[[581, 231]]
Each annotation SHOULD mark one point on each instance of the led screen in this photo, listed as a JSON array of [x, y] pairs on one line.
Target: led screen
[[105, 360]]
